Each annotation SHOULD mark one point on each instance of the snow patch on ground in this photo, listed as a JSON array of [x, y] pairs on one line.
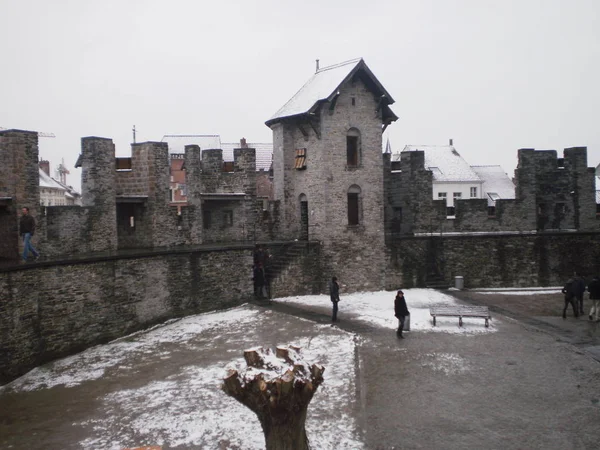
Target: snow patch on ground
[[519, 293], [377, 308], [94, 362]]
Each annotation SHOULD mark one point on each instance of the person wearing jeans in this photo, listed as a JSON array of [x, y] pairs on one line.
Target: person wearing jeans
[[26, 230], [594, 290]]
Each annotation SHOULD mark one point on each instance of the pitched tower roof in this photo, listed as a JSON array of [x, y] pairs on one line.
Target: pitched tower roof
[[323, 86]]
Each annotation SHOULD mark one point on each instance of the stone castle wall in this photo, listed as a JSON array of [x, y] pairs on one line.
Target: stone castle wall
[[51, 310], [19, 185], [551, 194], [496, 260]]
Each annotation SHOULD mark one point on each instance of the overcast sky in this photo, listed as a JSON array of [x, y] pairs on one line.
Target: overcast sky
[[493, 75]]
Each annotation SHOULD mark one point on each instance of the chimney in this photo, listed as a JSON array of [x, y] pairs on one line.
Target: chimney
[[451, 143], [45, 166], [243, 143], [317, 65]]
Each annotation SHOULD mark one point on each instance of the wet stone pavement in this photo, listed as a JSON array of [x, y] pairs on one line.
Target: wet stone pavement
[[532, 383]]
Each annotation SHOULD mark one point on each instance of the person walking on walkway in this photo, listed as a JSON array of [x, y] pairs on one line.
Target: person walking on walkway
[[334, 294], [594, 290], [26, 230], [401, 312], [569, 291]]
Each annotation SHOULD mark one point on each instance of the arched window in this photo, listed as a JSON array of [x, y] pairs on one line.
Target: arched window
[[353, 147], [354, 205]]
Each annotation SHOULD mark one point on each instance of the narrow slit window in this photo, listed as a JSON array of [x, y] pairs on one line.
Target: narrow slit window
[[352, 209], [352, 150]]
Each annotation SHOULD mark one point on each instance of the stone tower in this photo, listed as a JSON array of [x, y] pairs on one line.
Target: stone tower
[[328, 169]]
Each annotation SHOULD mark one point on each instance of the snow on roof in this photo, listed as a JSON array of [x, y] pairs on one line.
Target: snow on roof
[[319, 87], [177, 142], [264, 153], [597, 189], [47, 181], [445, 162], [495, 181]]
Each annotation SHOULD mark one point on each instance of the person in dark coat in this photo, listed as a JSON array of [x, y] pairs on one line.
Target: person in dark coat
[[569, 291], [594, 290], [400, 311], [334, 294], [259, 280], [579, 291], [26, 230]]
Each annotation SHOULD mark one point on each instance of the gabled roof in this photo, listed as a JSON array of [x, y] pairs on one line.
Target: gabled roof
[[323, 86], [495, 181], [264, 153], [177, 142], [445, 163], [46, 181]]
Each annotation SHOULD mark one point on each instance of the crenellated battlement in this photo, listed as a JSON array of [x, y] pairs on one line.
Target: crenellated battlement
[[551, 193]]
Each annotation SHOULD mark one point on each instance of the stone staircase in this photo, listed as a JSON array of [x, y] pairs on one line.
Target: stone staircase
[[436, 281]]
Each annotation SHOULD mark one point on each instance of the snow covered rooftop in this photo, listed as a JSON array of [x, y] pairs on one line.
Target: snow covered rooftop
[[323, 85], [445, 162], [495, 181], [264, 153], [177, 142], [47, 181]]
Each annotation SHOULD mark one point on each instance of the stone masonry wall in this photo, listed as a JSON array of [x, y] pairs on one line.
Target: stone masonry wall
[[77, 305], [19, 186], [193, 177], [67, 230], [97, 175], [502, 260], [81, 303]]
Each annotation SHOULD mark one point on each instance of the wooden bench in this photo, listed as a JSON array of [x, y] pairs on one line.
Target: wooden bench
[[461, 311]]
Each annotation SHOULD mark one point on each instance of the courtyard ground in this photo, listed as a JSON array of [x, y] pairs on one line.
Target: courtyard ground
[[528, 381]]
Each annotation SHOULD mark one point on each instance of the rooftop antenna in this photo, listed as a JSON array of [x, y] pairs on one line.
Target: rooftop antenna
[[317, 61], [133, 129]]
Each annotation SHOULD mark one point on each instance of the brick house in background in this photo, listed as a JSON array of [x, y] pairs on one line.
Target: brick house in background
[[177, 184]]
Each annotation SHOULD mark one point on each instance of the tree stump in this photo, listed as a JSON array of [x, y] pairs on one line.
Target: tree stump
[[277, 387]]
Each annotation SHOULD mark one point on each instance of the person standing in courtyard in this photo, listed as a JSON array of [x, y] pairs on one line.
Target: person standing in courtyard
[[26, 230], [579, 291], [569, 291], [334, 294], [401, 312], [259, 280], [594, 290]]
